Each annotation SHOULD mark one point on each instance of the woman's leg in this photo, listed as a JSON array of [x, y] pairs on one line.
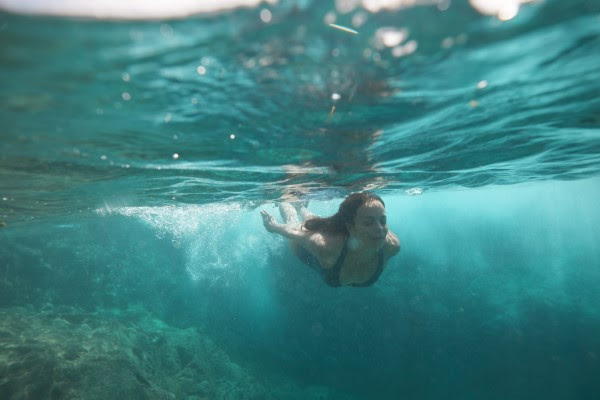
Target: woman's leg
[[288, 213], [303, 211]]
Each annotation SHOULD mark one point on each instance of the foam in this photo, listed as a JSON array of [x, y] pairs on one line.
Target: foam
[[221, 241]]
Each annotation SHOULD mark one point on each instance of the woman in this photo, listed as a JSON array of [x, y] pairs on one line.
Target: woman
[[349, 248]]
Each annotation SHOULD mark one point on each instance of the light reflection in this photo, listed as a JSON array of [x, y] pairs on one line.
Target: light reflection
[[390, 5], [359, 19], [166, 30], [330, 18], [130, 9], [504, 10], [407, 49], [509, 11], [443, 5], [390, 37], [461, 39], [346, 6], [265, 15], [447, 43]]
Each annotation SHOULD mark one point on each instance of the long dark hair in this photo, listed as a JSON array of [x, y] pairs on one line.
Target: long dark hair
[[345, 215]]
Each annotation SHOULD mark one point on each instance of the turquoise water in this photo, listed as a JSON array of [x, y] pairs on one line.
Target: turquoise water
[[135, 157]]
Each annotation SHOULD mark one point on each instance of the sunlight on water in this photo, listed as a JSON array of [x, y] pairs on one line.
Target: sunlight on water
[[504, 10], [130, 9]]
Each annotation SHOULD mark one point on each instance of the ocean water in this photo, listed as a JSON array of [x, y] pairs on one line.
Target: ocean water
[[136, 152]]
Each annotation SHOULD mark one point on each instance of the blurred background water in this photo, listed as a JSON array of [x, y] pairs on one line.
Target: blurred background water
[[138, 142]]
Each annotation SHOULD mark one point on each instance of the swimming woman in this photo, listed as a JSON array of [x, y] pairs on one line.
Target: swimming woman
[[349, 248]]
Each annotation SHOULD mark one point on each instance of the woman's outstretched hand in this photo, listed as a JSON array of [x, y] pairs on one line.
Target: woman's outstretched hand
[[268, 221]]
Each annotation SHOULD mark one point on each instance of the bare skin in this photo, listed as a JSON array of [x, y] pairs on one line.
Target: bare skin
[[368, 234]]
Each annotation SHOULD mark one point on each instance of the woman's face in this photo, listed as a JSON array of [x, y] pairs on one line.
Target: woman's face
[[370, 223]]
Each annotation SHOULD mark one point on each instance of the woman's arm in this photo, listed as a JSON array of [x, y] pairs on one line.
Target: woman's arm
[[312, 241], [289, 231]]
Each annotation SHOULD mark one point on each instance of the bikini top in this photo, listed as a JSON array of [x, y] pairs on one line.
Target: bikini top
[[331, 276]]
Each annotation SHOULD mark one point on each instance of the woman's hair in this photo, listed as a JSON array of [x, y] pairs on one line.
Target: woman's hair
[[345, 215]]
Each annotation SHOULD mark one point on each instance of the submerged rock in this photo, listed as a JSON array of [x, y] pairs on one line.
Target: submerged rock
[[66, 354]]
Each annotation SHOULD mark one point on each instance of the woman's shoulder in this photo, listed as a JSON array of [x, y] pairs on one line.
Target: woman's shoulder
[[392, 244], [325, 242]]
